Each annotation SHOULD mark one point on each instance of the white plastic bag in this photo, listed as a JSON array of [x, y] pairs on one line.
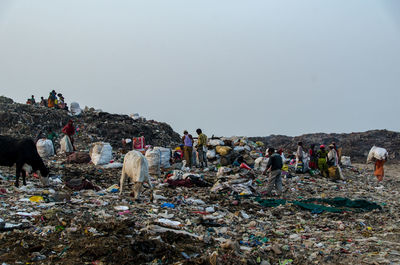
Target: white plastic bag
[[223, 171], [211, 154], [346, 161], [75, 108], [377, 153], [45, 147], [154, 159], [165, 156], [101, 153], [261, 163], [66, 146], [216, 142], [113, 165]]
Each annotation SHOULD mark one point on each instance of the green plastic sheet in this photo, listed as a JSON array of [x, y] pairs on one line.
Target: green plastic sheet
[[317, 205]]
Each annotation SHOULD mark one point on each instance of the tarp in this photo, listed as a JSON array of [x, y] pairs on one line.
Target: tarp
[[337, 204]]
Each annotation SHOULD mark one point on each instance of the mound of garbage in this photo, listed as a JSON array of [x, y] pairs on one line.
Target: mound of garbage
[[22, 120], [219, 214], [356, 145]]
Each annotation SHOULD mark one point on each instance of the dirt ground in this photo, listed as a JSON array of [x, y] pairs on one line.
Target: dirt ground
[[87, 227]]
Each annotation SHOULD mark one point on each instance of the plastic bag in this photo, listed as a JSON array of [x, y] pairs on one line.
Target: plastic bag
[[75, 108], [45, 147], [377, 153], [238, 149], [165, 156], [222, 171], [346, 161], [154, 159], [66, 146], [223, 150], [261, 163], [211, 154], [101, 153], [216, 142]]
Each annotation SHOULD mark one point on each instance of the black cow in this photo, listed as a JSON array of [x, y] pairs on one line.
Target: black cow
[[21, 152]]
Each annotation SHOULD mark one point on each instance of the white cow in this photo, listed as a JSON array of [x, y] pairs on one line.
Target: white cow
[[136, 169]]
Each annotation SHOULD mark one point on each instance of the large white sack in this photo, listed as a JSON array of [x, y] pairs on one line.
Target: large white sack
[[223, 171], [101, 153], [216, 142], [261, 163], [75, 108], [238, 149], [154, 160], [377, 153], [66, 146], [211, 154], [45, 147], [346, 161], [165, 156]]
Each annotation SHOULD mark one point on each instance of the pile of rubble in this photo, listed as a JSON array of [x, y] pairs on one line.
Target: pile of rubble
[[21, 120], [356, 145], [234, 150], [214, 215], [81, 218]]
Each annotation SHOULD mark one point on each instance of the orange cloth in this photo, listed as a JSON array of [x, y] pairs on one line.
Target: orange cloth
[[379, 169], [50, 103]]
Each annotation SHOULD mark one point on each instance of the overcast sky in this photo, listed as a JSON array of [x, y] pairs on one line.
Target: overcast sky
[[230, 67]]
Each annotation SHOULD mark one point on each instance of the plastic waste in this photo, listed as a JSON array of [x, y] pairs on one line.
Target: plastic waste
[[168, 205]]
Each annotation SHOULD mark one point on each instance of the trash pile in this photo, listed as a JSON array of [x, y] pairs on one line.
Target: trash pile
[[22, 120], [214, 215], [234, 151], [81, 217], [355, 145]]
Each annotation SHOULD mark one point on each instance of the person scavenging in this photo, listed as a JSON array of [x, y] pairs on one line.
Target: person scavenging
[[202, 148], [274, 167], [322, 160], [69, 130], [187, 141]]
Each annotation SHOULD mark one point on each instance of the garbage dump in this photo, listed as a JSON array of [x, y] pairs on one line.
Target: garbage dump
[[219, 214]]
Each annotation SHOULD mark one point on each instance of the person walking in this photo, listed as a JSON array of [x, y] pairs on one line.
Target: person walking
[[69, 130], [274, 167], [202, 148], [187, 148], [322, 162], [299, 158], [313, 158], [332, 156], [378, 170]]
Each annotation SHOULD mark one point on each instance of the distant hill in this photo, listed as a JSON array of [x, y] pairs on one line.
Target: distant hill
[[356, 145], [22, 120]]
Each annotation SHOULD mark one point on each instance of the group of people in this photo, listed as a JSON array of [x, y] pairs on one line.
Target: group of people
[[321, 159], [69, 130], [53, 101], [201, 148]]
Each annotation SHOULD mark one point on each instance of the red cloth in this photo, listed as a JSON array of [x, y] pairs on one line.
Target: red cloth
[[69, 129], [139, 143]]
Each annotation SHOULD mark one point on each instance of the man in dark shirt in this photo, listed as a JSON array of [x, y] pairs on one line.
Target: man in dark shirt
[[274, 167]]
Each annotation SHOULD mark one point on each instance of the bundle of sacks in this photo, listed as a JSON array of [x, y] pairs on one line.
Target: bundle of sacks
[[234, 151], [377, 153], [101, 153]]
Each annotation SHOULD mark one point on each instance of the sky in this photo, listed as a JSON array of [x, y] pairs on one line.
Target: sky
[[230, 67]]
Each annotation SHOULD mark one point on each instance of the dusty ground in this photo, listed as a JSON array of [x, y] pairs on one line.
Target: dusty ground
[[87, 229]]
